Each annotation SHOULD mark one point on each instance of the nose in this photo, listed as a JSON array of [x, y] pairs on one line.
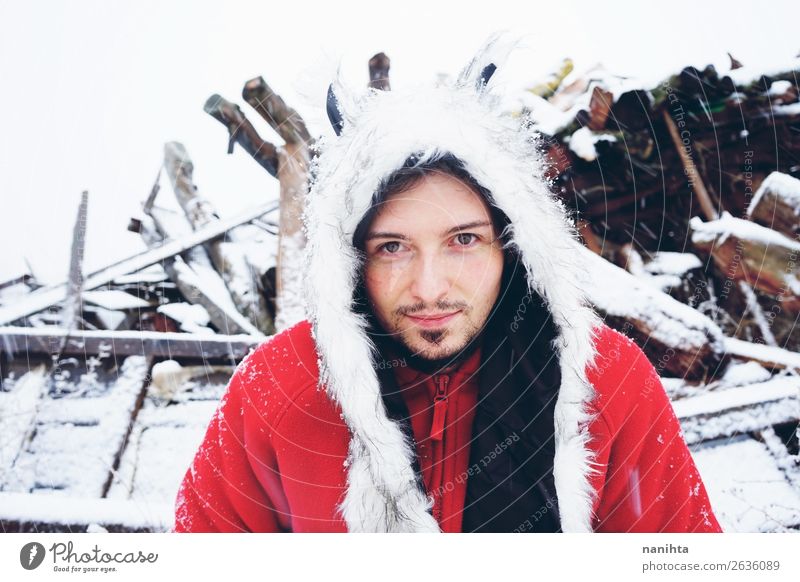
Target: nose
[[430, 280]]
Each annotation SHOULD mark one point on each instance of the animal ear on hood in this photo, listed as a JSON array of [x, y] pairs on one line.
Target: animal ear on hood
[[334, 115], [342, 104], [479, 70]]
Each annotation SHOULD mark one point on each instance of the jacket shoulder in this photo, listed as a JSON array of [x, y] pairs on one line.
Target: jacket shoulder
[[622, 376], [277, 371]]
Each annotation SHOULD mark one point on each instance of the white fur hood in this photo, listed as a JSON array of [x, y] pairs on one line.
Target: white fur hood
[[380, 130]]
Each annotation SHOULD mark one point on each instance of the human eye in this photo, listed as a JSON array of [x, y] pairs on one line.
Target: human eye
[[389, 248], [466, 239]]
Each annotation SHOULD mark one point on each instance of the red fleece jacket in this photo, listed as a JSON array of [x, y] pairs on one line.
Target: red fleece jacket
[[272, 459]]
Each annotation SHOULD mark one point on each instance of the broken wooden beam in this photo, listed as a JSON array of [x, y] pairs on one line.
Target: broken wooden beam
[[16, 341], [286, 122], [241, 131]]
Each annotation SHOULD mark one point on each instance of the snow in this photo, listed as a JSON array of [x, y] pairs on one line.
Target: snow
[[85, 511], [717, 401], [192, 318], [78, 435], [741, 373], [790, 109], [203, 276], [546, 117], [751, 494], [108, 318], [785, 186], [617, 292], [778, 88], [763, 353], [669, 263], [152, 274], [747, 75], [114, 300], [14, 292], [17, 412], [728, 225], [165, 439], [583, 141]]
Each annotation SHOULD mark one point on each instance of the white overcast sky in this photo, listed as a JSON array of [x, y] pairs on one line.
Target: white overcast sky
[[90, 91]]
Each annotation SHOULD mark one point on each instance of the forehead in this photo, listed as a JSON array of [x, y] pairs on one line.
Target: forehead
[[437, 200]]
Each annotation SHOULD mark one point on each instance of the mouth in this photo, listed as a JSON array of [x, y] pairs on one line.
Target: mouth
[[433, 320]]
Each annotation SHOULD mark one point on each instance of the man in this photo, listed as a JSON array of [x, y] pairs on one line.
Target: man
[[451, 376]]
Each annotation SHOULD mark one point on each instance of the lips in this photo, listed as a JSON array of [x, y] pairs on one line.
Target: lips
[[433, 320]]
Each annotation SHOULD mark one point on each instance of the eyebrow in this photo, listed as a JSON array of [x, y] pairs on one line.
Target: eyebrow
[[460, 227]]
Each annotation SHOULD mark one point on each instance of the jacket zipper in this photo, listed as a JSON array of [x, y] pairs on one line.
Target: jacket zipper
[[437, 439]]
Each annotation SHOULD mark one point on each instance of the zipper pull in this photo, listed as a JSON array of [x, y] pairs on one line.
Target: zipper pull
[[439, 408]]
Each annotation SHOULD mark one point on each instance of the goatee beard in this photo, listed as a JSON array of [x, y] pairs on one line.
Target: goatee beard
[[396, 345]]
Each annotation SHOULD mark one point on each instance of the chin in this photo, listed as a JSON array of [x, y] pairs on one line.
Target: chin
[[449, 346]]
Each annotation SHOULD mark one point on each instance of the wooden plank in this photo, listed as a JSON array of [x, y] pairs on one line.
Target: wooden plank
[[731, 411], [25, 512], [165, 439], [224, 348]]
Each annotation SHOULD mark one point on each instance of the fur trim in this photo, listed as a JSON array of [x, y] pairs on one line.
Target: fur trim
[[381, 130]]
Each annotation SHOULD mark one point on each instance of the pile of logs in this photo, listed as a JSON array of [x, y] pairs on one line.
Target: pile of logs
[[696, 176]]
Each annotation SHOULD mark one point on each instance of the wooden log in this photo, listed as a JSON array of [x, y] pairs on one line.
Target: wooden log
[[759, 256], [770, 357], [16, 342], [72, 304], [241, 131], [286, 122], [379, 72], [293, 175], [599, 108], [776, 205], [678, 340], [229, 259], [690, 170], [731, 411], [293, 164]]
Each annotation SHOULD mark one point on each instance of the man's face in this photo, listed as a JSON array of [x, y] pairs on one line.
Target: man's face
[[433, 268]]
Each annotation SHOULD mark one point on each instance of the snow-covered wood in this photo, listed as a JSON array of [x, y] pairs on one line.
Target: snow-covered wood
[[44, 298], [165, 438], [229, 259], [727, 412], [776, 204], [679, 340], [38, 513], [20, 342], [759, 256], [81, 425]]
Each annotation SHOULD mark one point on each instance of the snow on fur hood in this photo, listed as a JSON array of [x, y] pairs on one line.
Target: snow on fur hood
[[380, 130]]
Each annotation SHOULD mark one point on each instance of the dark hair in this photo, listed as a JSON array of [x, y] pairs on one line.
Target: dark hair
[[409, 175]]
